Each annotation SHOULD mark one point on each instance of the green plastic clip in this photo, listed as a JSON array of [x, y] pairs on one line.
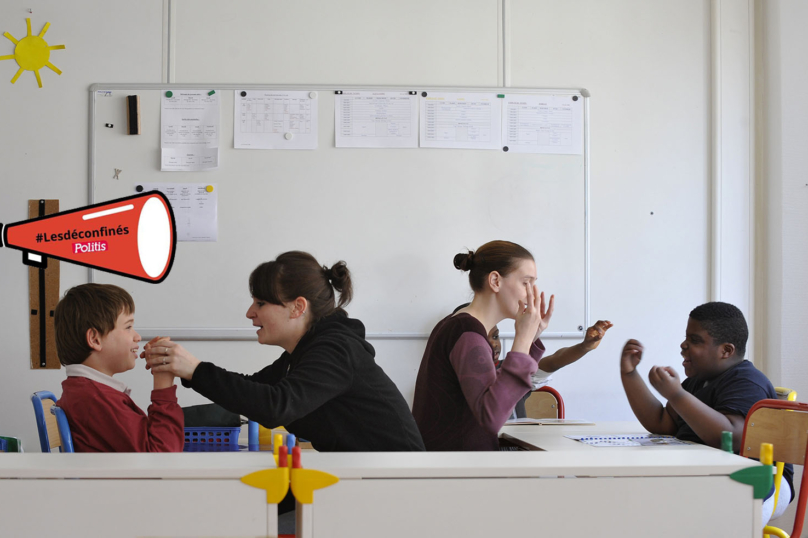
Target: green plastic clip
[[760, 478], [211, 92], [501, 96], [726, 442]]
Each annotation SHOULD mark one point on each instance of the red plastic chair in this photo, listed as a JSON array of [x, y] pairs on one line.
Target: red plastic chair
[[544, 402], [784, 424]]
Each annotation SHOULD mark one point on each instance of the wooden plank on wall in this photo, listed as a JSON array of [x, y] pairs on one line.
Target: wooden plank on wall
[[42, 305]]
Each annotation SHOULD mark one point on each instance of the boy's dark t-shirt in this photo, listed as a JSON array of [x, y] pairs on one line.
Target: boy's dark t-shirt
[[733, 392]]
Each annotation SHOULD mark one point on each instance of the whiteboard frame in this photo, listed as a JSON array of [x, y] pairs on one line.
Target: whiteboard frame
[[246, 334]]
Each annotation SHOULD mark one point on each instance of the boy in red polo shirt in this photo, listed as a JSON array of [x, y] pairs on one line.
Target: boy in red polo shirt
[[96, 339]]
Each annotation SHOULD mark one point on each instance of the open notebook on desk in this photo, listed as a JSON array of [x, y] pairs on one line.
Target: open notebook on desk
[[648, 439], [549, 421]]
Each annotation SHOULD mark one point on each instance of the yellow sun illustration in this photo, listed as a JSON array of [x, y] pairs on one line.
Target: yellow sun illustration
[[32, 53]]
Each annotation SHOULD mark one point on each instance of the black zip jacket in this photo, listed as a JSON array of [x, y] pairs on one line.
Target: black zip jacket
[[329, 391]]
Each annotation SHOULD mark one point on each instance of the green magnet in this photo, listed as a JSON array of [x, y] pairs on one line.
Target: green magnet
[[169, 94]]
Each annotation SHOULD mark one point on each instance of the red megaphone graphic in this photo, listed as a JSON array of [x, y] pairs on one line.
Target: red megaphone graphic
[[134, 236]]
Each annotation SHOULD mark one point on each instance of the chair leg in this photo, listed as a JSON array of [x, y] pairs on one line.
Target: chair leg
[[774, 531]]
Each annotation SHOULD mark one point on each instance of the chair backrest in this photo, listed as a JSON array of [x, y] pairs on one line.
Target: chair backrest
[[47, 423], [784, 424], [784, 393], [544, 402], [773, 421], [63, 427]]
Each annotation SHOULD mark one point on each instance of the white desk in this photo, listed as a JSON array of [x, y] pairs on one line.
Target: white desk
[[669, 491], [660, 491], [130, 495]]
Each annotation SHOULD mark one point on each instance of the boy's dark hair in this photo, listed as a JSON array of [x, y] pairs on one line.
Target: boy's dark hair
[[500, 256], [298, 274], [85, 307], [724, 323]]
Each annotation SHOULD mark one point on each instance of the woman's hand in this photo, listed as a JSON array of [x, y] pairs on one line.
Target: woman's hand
[[528, 320], [546, 314], [166, 356]]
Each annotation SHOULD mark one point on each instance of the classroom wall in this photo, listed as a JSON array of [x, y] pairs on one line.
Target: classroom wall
[[782, 188], [646, 64]]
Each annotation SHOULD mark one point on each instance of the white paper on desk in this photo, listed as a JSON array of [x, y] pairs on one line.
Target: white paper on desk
[[628, 440], [274, 119], [549, 421], [461, 120], [543, 124], [195, 209], [189, 131], [369, 119]]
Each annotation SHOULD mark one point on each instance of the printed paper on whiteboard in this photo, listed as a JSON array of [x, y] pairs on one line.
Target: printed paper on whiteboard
[[461, 120], [376, 119], [189, 131], [195, 207], [274, 119], [543, 124]]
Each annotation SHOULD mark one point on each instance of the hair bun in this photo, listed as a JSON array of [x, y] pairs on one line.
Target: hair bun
[[464, 261], [336, 274]]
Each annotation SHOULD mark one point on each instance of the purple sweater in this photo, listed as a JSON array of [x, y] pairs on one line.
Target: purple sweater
[[461, 400]]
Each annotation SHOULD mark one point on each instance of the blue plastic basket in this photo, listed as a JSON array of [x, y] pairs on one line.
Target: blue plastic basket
[[211, 439]]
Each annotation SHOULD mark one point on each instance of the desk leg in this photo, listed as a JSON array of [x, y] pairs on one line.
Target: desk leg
[[304, 520]]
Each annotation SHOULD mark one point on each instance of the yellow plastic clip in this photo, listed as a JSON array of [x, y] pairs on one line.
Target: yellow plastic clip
[[305, 481], [274, 481], [766, 453]]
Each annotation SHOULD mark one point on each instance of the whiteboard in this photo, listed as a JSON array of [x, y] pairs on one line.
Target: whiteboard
[[396, 216]]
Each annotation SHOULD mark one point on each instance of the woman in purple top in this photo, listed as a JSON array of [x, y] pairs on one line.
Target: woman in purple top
[[461, 400]]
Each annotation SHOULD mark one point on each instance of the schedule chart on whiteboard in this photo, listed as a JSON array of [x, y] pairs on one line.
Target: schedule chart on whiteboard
[[461, 120], [275, 120], [543, 124], [373, 119]]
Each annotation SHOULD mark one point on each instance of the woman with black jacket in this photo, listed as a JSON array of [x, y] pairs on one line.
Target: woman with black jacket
[[326, 387]]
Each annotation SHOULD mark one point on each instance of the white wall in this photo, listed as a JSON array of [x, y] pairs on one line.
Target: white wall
[[647, 65], [782, 283]]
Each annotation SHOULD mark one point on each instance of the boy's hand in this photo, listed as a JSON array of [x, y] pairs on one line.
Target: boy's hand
[[631, 357], [595, 334], [665, 380]]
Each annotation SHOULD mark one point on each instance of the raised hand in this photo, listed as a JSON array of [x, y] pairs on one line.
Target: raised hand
[[167, 356], [631, 357], [546, 314], [595, 334], [528, 319]]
